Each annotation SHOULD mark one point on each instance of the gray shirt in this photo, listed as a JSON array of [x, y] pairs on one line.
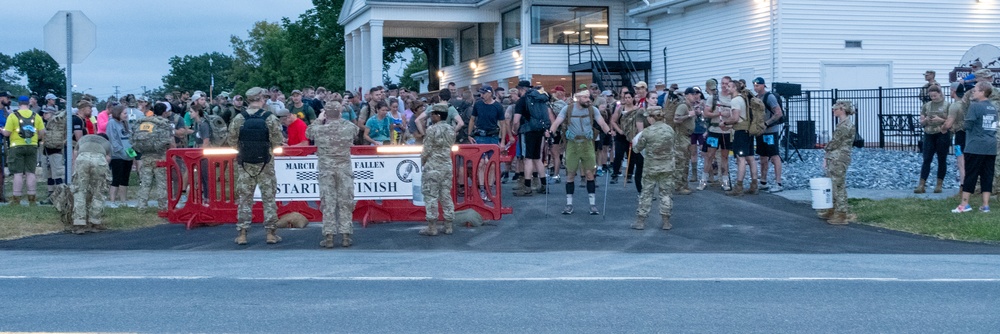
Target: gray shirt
[[771, 102], [119, 135], [578, 122], [981, 128]]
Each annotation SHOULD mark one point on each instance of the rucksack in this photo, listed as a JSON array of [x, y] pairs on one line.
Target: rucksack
[[755, 110], [627, 122], [26, 126], [146, 140], [220, 132], [538, 107], [55, 130], [255, 139], [569, 117]]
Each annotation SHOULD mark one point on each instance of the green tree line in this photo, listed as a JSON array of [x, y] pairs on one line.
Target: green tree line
[[43, 73]]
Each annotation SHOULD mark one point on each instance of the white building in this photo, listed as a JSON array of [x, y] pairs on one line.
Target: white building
[[820, 44]]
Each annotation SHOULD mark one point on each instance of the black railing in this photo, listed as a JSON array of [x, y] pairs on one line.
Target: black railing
[[634, 44], [886, 117]]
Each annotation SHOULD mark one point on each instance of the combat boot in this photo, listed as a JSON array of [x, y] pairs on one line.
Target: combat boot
[[937, 187], [920, 187], [824, 214], [241, 237], [694, 172], [31, 200], [430, 230], [737, 190], [640, 223], [838, 218], [753, 187], [79, 229], [327, 241], [542, 189], [524, 192], [15, 201], [449, 227], [666, 222], [346, 240], [272, 236], [684, 190]]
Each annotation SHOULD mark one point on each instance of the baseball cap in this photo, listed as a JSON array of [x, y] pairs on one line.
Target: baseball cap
[[50, 96], [929, 72], [659, 82], [524, 83], [606, 92], [5, 94], [389, 87], [298, 92], [254, 91], [197, 95], [711, 83], [485, 88], [691, 90], [583, 86], [977, 63], [22, 99], [641, 84], [674, 86], [759, 81], [558, 88]]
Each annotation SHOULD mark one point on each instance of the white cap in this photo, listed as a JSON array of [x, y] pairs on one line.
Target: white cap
[[50, 96]]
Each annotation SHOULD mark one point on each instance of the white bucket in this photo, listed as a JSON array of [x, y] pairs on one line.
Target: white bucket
[[822, 192], [418, 194]]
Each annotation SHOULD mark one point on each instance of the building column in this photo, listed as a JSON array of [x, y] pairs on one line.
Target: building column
[[356, 60], [348, 61], [366, 60], [376, 52]]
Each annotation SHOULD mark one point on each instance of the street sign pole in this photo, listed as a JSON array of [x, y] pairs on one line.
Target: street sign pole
[[69, 99]]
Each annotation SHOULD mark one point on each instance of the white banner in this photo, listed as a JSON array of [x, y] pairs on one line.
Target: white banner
[[375, 177]]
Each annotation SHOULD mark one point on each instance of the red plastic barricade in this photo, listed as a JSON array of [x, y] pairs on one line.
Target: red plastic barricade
[[207, 194]]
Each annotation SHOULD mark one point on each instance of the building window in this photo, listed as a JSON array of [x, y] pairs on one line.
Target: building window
[[447, 52], [569, 25], [468, 40], [511, 28], [487, 38]]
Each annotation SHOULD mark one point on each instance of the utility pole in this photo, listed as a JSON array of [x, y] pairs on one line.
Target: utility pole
[[116, 91]]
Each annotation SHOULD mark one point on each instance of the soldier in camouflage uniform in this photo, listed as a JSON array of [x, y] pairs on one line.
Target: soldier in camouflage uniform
[[252, 175], [657, 145], [91, 177], [334, 137], [436, 177], [836, 161], [153, 178], [680, 116]]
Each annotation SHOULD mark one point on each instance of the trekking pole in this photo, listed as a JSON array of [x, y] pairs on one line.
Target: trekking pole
[[604, 212], [628, 162]]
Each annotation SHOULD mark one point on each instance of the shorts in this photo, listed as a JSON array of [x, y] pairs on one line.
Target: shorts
[[960, 140], [767, 144], [121, 171], [56, 165], [981, 168], [698, 139], [557, 138], [23, 159], [580, 155], [721, 141], [532, 144], [487, 141], [742, 144]]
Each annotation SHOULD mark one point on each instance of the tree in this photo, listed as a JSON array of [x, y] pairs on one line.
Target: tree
[[419, 63], [393, 47], [195, 73], [43, 73]]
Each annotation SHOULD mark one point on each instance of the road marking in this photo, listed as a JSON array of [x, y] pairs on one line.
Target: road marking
[[512, 279]]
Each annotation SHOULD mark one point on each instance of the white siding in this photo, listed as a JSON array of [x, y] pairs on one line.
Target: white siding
[[912, 35], [498, 66], [712, 40]]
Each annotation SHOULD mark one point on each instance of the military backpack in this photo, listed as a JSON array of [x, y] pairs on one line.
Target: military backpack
[[145, 139], [755, 110], [255, 139], [55, 130], [220, 131]]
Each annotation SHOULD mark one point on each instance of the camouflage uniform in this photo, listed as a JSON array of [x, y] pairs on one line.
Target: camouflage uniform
[[838, 158], [658, 143], [436, 177], [153, 178], [250, 176], [91, 177], [682, 139], [336, 181]]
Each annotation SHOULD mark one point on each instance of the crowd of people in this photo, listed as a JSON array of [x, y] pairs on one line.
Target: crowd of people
[[653, 138]]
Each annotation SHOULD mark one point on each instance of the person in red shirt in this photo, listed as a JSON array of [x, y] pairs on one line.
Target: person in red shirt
[[296, 128]]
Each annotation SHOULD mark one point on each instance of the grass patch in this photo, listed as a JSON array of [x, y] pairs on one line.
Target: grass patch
[[929, 217], [25, 221]]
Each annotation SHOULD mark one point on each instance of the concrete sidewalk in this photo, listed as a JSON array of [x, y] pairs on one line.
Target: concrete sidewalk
[[805, 195]]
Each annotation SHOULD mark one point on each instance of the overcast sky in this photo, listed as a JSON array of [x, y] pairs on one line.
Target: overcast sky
[[135, 38]]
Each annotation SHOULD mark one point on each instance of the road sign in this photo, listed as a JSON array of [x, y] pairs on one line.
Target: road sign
[[83, 36]]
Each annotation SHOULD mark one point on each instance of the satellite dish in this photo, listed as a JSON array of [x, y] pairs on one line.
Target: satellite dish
[[988, 54]]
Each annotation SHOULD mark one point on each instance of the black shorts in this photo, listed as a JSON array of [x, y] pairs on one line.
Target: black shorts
[[767, 144], [121, 170], [532, 144], [742, 144], [720, 141], [960, 140], [698, 139], [979, 168]]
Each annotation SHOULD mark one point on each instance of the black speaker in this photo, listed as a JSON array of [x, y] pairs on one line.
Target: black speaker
[[787, 89], [806, 134]]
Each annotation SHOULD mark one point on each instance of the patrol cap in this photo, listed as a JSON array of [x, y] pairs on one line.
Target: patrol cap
[[441, 109], [655, 111], [983, 73], [255, 91], [50, 96], [847, 105], [711, 84], [296, 92]]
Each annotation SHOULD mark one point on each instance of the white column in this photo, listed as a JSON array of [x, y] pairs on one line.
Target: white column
[[356, 59], [376, 52], [366, 60], [348, 61]]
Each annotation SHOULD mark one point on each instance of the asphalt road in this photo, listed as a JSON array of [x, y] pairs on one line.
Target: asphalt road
[[753, 264]]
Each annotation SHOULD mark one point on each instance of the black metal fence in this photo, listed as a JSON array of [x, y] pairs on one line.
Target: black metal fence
[[811, 121]]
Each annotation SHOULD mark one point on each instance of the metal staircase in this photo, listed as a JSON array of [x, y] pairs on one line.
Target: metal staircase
[[633, 63]]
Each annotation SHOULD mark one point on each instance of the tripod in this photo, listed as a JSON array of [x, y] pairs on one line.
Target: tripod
[[785, 136]]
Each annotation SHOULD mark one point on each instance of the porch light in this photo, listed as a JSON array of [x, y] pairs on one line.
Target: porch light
[[473, 65], [569, 32], [517, 54], [440, 74]]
